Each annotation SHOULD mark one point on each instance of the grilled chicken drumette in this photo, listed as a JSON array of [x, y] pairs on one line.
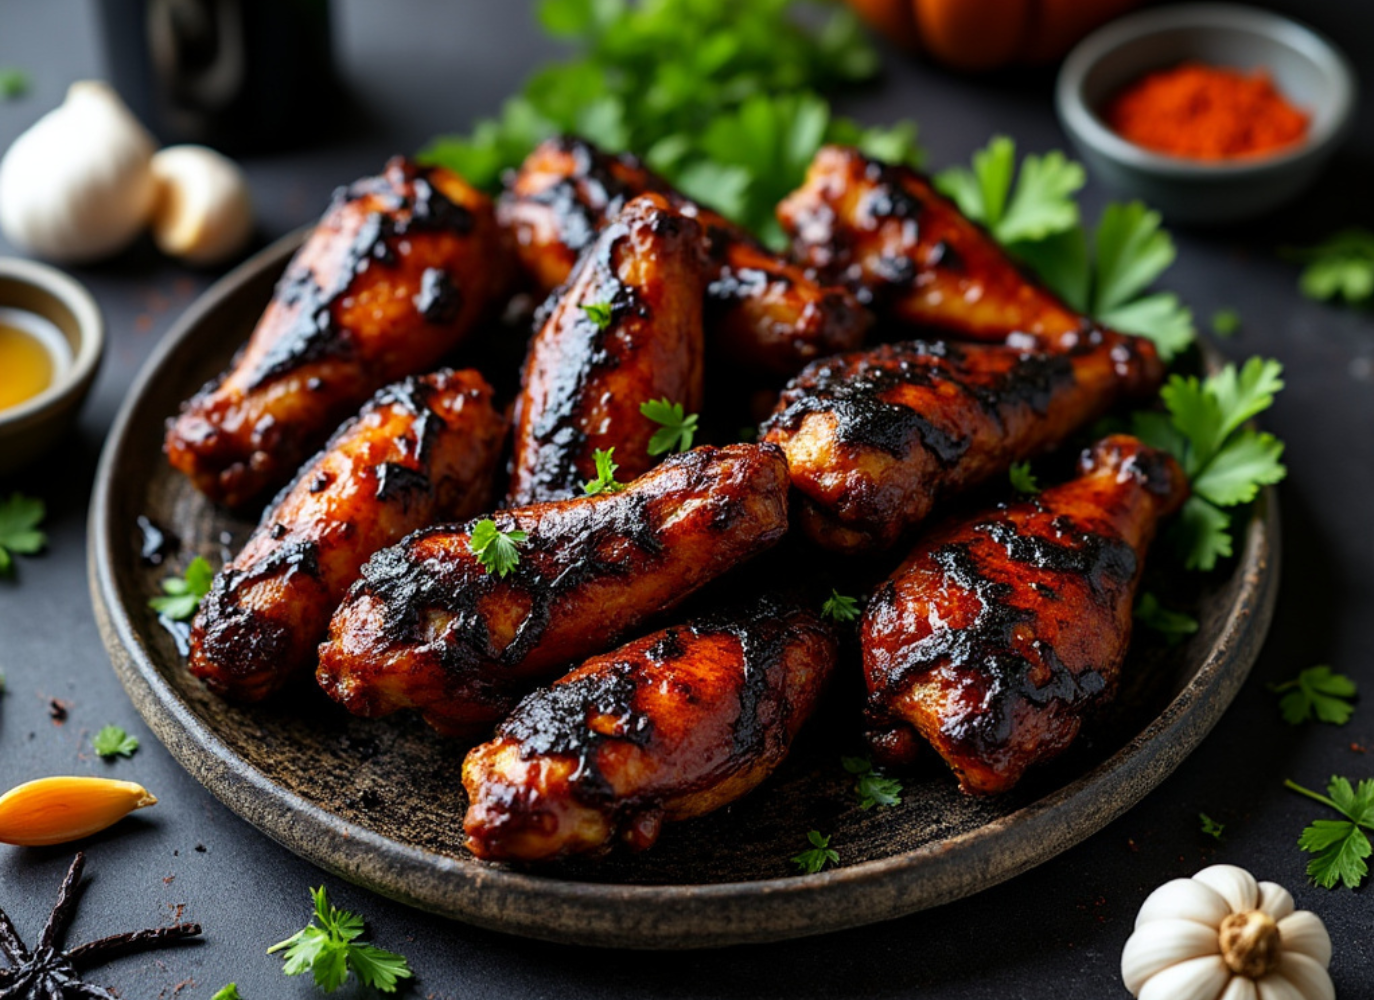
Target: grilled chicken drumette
[[763, 312], [875, 439], [429, 627], [1001, 631], [400, 268], [420, 450], [626, 331], [666, 728]]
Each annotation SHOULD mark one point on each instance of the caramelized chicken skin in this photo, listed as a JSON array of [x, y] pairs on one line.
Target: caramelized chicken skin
[[1002, 630], [887, 233], [587, 374], [668, 727], [421, 449], [763, 312], [400, 268], [427, 627], [875, 439]]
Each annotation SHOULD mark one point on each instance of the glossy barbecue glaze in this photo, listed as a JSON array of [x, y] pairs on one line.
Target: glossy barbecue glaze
[[671, 726], [908, 251], [1001, 631], [585, 377], [420, 450], [763, 312], [427, 627], [400, 268], [875, 439]]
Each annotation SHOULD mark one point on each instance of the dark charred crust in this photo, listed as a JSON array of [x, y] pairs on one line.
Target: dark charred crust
[[439, 300], [400, 482], [1104, 562]]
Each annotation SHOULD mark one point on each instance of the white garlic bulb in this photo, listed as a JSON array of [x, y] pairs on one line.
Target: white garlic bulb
[[1221, 935], [203, 213], [77, 185]]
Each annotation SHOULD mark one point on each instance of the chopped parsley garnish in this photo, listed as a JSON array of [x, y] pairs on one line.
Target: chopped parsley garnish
[[1225, 322], [1210, 826], [112, 741], [328, 948], [1342, 267], [605, 474], [1174, 626], [813, 860], [497, 551], [13, 83], [1022, 479], [20, 517], [872, 786], [230, 992], [599, 313], [1316, 692], [677, 427], [838, 607], [1339, 847], [181, 596]]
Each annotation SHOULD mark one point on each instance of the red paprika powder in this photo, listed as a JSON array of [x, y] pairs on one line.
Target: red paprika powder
[[1206, 113]]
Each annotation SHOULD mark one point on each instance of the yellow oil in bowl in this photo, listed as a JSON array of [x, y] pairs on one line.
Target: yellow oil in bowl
[[33, 356]]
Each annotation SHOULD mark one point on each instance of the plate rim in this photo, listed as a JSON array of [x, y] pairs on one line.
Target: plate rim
[[672, 915]]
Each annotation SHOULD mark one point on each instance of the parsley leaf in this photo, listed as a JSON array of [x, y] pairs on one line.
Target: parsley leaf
[[1210, 826], [229, 992], [1039, 205], [1319, 692], [181, 596], [872, 786], [112, 741], [1172, 625], [495, 549], [20, 517], [1340, 267], [813, 860], [13, 83], [1022, 479], [1339, 847], [677, 428], [1225, 322], [838, 607], [599, 313], [605, 474], [327, 948]]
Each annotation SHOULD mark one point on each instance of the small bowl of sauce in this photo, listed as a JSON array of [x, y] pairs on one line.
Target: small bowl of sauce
[[52, 337]]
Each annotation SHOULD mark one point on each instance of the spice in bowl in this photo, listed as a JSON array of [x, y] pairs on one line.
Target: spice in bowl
[[1206, 112]]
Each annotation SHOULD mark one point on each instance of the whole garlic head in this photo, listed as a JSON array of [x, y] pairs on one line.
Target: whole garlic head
[[203, 213], [1221, 935], [77, 185]]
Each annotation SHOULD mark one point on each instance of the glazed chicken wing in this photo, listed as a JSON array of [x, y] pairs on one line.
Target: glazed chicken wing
[[421, 449], [1001, 631], [626, 331], [763, 312], [400, 268], [908, 251], [666, 728], [875, 439], [428, 627]]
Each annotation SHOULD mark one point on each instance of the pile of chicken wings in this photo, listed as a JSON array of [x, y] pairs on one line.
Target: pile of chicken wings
[[905, 360]]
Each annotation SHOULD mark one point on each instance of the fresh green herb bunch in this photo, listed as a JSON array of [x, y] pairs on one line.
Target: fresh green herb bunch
[[328, 948]]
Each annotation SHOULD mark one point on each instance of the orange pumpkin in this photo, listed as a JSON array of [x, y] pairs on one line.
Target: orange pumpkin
[[979, 35]]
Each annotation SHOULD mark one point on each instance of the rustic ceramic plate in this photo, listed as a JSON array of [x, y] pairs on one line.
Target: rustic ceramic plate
[[380, 802]]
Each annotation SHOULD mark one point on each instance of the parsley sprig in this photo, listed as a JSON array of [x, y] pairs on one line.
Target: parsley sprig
[[328, 948], [13, 83], [112, 741], [181, 596], [1174, 626], [1339, 847], [227, 992], [599, 313], [677, 428], [818, 856], [1210, 826], [1341, 267], [1022, 479], [496, 550], [605, 474], [20, 517], [872, 786], [1317, 691], [839, 607], [1038, 204]]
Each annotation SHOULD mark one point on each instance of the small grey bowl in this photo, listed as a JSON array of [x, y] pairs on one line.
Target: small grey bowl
[[30, 428], [1307, 68]]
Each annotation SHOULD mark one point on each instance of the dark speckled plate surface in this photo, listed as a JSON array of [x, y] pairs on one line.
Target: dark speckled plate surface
[[380, 802]]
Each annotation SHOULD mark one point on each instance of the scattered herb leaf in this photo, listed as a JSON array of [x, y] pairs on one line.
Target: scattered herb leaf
[[1319, 692], [1038, 205], [495, 550], [1174, 626], [327, 948], [1225, 322], [1339, 847], [872, 786], [1022, 479], [605, 474], [838, 607], [813, 860], [1210, 826], [20, 517], [230, 992], [112, 741], [677, 428], [599, 313], [181, 596], [1340, 267], [13, 83]]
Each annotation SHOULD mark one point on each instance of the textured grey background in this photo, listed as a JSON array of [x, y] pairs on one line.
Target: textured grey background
[[420, 66]]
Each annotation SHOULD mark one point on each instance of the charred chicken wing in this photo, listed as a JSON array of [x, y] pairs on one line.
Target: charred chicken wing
[[763, 312], [626, 331], [398, 270], [908, 251], [875, 439], [1001, 631], [421, 449], [429, 627], [666, 728]]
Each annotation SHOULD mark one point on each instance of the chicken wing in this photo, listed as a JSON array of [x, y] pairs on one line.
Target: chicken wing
[[907, 251], [763, 312], [400, 268], [875, 440], [421, 449], [428, 627], [626, 331], [667, 728], [1001, 631]]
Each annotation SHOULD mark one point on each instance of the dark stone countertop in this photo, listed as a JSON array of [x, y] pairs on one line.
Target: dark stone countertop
[[419, 66]]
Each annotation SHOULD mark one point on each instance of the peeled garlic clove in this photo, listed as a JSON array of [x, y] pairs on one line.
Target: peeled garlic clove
[[58, 810], [1184, 899], [1161, 944], [203, 213], [1197, 979], [1240, 988], [77, 185], [1275, 900], [1276, 986], [1237, 886], [1303, 933]]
